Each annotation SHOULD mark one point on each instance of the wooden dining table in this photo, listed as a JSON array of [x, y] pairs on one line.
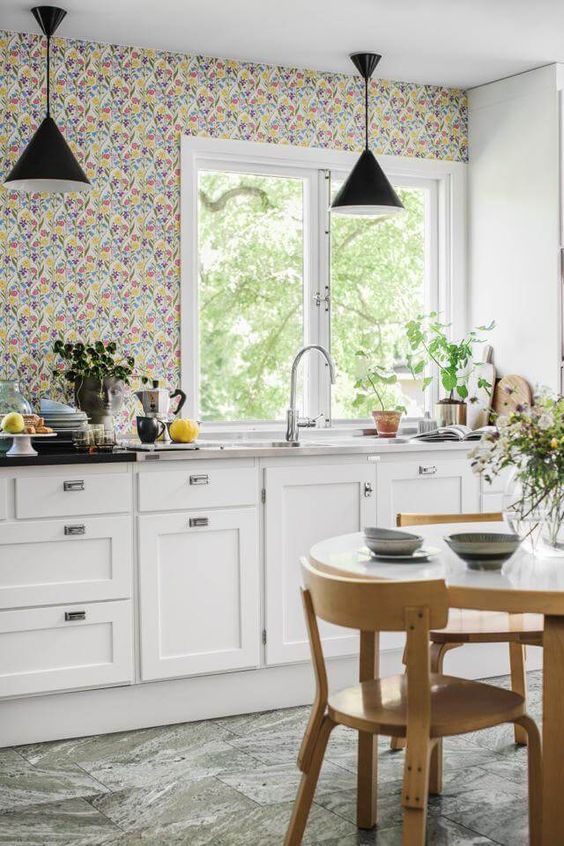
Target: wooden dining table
[[524, 584]]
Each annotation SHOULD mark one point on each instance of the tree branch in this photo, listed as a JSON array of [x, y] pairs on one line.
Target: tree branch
[[241, 191]]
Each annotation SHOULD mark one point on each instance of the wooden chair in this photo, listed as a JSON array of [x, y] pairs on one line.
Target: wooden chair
[[517, 630], [419, 705]]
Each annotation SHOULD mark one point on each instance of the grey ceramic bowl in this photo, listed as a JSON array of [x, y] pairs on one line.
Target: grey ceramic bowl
[[483, 550], [391, 542]]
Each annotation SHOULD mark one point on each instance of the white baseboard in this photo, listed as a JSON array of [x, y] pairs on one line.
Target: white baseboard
[[82, 713]]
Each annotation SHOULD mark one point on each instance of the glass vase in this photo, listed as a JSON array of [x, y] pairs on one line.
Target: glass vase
[[522, 516]]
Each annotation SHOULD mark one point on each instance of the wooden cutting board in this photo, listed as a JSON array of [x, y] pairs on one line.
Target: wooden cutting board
[[478, 411], [510, 392]]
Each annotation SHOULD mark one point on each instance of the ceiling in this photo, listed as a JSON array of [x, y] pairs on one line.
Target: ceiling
[[459, 43]]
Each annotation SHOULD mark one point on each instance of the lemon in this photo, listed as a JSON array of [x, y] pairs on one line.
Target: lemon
[[184, 431], [13, 423]]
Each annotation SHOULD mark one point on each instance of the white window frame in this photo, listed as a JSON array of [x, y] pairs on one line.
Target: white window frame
[[446, 247]]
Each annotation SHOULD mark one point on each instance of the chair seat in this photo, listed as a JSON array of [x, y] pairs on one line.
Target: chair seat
[[490, 627], [457, 706]]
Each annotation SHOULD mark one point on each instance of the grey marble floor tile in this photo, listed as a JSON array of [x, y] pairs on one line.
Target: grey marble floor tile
[[144, 744], [199, 762], [256, 826], [488, 804], [23, 784], [275, 783], [440, 832], [286, 719], [11, 760], [176, 806], [71, 823]]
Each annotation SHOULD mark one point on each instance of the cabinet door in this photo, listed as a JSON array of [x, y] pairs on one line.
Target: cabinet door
[[199, 586], [425, 484], [303, 506]]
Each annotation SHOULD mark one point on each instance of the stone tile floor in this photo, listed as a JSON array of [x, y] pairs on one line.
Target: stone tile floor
[[231, 782]]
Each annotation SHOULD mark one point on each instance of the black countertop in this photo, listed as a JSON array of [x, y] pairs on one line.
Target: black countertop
[[62, 456]]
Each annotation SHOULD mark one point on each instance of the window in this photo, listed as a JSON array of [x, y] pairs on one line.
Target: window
[[266, 269]]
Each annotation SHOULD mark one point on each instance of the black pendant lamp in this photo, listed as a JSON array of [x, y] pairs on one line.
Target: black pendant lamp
[[367, 191], [47, 165]]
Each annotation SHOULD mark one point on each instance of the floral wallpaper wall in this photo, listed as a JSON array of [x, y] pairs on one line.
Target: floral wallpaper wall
[[107, 264]]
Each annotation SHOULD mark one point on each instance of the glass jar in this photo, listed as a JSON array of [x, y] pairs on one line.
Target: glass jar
[[11, 400]]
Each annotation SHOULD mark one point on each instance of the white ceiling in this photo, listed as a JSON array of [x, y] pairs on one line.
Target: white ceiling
[[451, 42]]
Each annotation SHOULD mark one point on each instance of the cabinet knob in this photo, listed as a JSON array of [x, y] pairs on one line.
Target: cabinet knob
[[79, 529], [74, 485], [204, 479], [198, 521], [427, 469], [72, 616], [368, 489]]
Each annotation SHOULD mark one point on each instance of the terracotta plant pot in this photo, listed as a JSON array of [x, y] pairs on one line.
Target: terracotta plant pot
[[387, 423]]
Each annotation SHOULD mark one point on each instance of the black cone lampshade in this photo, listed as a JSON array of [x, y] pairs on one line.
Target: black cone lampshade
[[47, 165], [367, 191]]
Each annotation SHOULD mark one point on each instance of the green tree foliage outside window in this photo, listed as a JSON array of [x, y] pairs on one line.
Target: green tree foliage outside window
[[251, 293]]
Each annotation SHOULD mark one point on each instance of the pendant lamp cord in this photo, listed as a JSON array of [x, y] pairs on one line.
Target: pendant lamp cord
[[366, 112], [48, 76]]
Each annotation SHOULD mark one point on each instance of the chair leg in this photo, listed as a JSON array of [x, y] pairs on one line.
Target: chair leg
[[535, 777], [438, 652], [518, 683], [307, 786], [397, 743], [414, 799]]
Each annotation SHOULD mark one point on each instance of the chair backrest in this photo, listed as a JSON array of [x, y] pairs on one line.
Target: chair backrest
[[373, 606], [404, 519], [376, 605]]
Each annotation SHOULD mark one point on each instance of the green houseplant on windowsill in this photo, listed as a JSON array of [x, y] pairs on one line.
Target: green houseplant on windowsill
[[372, 384], [430, 345]]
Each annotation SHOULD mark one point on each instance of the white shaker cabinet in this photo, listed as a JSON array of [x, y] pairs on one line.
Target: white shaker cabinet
[[199, 592], [427, 483], [303, 505]]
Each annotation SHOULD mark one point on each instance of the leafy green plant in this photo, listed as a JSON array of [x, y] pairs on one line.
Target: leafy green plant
[[98, 360], [372, 383], [429, 344]]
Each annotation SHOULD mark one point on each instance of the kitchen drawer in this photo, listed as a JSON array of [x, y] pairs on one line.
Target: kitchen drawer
[[65, 561], [200, 486], [45, 649], [72, 492]]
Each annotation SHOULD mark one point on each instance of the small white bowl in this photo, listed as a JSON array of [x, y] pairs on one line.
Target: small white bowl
[[391, 542]]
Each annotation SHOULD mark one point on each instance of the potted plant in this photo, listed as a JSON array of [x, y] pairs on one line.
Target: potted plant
[[98, 374], [430, 345], [372, 384]]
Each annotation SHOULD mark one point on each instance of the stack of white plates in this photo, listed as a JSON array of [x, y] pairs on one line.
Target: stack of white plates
[[63, 419]]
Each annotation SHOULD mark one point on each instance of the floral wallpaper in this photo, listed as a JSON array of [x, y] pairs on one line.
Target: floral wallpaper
[[107, 264]]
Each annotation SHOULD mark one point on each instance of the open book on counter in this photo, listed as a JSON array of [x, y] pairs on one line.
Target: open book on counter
[[456, 432]]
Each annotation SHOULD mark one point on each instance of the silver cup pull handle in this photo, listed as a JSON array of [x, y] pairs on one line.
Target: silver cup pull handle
[[79, 529], [427, 469], [193, 522], [203, 479], [74, 485], [73, 616]]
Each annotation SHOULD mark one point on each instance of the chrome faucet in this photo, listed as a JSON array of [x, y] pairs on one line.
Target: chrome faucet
[[293, 421]]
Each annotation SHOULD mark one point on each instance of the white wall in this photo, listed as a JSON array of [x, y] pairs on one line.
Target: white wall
[[514, 221]]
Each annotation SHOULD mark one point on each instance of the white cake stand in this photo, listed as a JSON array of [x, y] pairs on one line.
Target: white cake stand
[[22, 443]]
